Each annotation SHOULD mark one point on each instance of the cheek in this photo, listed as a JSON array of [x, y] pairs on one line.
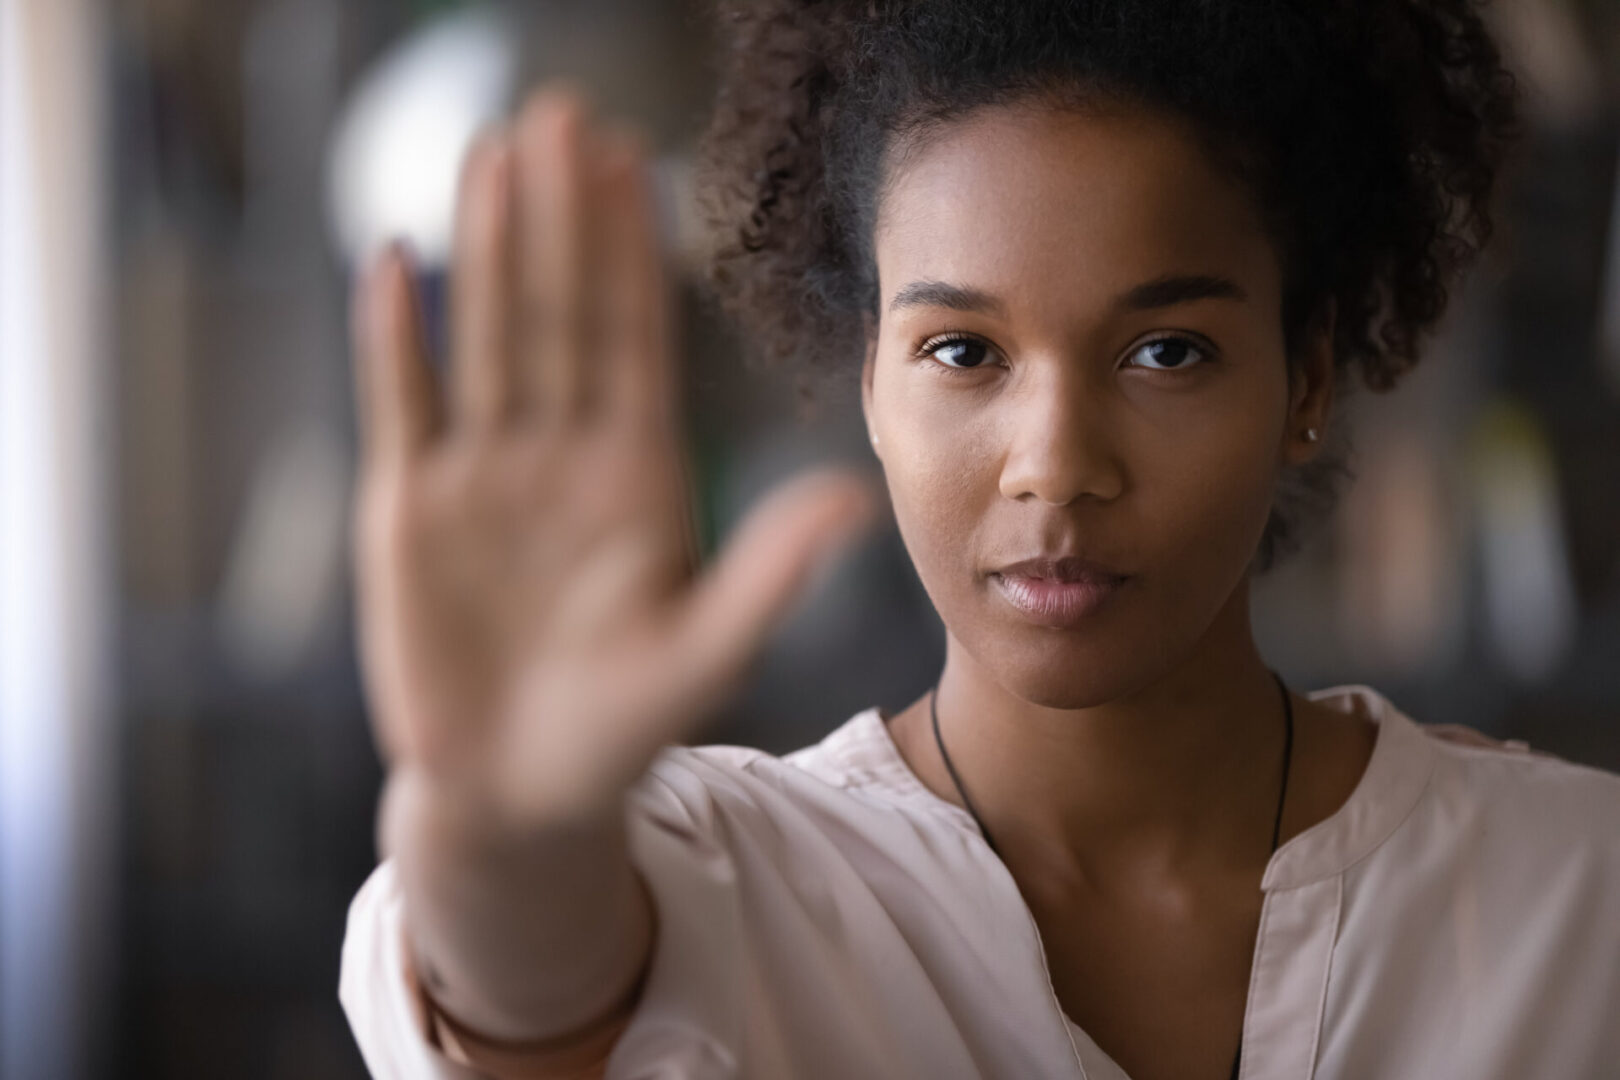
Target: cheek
[[940, 488], [1206, 488], [939, 464]]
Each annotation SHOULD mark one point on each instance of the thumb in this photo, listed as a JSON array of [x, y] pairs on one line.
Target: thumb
[[767, 563]]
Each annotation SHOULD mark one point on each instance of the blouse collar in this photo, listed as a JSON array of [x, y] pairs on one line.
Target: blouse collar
[[861, 756], [1395, 777]]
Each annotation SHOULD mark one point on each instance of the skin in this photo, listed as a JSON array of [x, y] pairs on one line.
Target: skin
[[1129, 766]]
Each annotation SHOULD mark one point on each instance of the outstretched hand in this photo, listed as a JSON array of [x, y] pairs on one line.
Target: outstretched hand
[[533, 627]]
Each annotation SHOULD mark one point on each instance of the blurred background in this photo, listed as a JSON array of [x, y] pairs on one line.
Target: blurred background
[[187, 783]]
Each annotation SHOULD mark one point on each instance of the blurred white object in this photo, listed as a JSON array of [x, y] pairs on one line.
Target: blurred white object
[[57, 736], [1529, 596], [285, 568], [397, 156]]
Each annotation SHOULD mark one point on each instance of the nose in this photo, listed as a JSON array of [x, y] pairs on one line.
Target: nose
[[1061, 445]]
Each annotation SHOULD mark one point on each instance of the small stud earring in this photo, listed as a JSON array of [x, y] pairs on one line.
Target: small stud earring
[[1310, 434]]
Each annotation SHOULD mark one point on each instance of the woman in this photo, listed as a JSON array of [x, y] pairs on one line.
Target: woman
[[1104, 265]]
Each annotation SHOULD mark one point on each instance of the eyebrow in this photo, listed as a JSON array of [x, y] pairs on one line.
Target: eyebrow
[[1163, 292], [945, 295], [1173, 289]]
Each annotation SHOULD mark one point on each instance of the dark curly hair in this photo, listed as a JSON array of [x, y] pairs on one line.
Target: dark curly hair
[[1370, 132]]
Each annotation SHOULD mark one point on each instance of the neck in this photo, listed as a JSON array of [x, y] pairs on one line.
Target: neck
[[1181, 771]]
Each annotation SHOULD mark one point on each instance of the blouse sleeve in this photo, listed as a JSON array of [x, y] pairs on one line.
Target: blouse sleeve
[[387, 1012], [690, 982]]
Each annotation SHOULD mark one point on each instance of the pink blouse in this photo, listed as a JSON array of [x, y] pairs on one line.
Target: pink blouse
[[823, 914]]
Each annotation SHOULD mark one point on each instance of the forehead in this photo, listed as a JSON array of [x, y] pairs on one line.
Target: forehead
[[1036, 203]]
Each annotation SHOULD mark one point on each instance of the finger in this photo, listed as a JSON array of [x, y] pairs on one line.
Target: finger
[[638, 353], [552, 144], [398, 399], [637, 373], [481, 361], [767, 565]]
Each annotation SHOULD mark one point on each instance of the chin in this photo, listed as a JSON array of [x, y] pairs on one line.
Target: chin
[[1112, 658], [1061, 676], [1056, 669]]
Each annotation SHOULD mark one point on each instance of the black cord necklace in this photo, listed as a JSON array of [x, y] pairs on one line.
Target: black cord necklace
[[1276, 828]]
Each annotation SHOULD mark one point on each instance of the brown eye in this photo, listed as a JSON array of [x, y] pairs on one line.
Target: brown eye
[[1170, 354], [958, 352]]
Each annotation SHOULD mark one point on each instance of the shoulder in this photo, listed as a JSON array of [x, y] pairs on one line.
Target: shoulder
[[1506, 812], [1465, 779], [1490, 907], [1456, 847], [1535, 793], [1491, 766]]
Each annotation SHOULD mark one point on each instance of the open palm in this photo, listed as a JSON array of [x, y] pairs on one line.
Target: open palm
[[533, 627]]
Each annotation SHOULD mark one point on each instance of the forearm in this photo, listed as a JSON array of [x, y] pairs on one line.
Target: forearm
[[519, 938]]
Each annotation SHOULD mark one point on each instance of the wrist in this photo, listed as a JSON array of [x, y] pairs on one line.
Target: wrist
[[421, 818]]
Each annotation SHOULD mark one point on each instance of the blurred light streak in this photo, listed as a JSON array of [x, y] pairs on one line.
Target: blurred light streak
[[57, 746], [285, 569], [1399, 605], [1529, 595]]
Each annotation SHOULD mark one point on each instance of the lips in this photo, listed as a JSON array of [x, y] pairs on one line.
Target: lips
[[1069, 568], [1058, 593]]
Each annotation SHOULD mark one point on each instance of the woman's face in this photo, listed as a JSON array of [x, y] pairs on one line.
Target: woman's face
[[1079, 354]]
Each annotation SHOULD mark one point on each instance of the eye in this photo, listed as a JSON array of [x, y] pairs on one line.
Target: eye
[[1171, 354], [956, 352]]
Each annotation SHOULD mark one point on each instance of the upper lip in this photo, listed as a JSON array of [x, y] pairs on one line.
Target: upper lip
[[1067, 568]]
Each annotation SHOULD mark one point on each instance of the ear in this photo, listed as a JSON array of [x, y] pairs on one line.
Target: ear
[[868, 367], [1310, 390]]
